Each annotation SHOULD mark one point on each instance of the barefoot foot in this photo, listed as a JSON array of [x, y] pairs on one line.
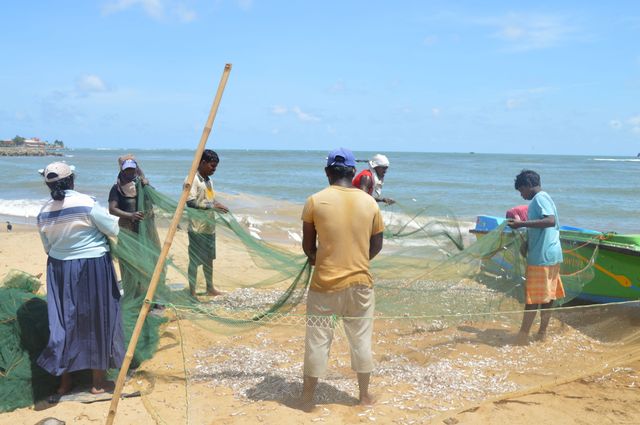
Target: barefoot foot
[[106, 386], [95, 390], [521, 339], [367, 400], [65, 384], [62, 390], [305, 406], [541, 337]]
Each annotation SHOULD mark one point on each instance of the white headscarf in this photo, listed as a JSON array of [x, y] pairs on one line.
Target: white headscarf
[[377, 160]]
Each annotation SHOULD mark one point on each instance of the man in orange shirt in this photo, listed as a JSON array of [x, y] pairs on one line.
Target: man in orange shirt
[[342, 231]]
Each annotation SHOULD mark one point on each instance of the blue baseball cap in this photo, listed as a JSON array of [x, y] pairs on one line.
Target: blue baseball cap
[[341, 157]]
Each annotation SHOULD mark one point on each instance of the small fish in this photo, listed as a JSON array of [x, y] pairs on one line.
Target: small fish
[[296, 237]]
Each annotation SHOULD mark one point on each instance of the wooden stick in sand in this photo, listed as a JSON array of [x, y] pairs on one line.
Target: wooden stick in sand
[[165, 248]]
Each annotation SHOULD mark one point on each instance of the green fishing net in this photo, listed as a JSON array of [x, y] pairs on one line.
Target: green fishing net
[[440, 292]]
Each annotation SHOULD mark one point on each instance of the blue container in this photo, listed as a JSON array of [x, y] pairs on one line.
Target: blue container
[[487, 223]]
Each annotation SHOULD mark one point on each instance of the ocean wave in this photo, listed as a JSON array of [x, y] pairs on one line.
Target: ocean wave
[[617, 159], [24, 208]]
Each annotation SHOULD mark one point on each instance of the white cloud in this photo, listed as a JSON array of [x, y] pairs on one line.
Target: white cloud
[[634, 121], [513, 103], [245, 4], [296, 111], [279, 110], [512, 32], [435, 112], [90, 84], [539, 90], [185, 15], [304, 116], [530, 31], [153, 8], [517, 98]]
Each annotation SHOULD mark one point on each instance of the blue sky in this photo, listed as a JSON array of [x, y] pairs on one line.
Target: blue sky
[[541, 77]]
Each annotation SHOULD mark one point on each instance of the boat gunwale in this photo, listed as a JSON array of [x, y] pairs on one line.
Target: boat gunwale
[[573, 236]]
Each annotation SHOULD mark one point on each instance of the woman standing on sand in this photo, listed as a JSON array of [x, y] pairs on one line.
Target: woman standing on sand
[[123, 203], [85, 323]]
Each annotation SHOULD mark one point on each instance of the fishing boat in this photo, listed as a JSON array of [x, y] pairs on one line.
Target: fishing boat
[[608, 263]]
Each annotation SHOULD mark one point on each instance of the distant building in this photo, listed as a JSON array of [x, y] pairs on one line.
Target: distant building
[[34, 143], [19, 146]]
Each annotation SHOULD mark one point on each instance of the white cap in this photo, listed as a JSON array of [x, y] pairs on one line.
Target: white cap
[[128, 163], [379, 160], [57, 171]]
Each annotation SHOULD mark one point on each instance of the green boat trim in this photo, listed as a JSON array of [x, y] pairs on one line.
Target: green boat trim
[[612, 260]]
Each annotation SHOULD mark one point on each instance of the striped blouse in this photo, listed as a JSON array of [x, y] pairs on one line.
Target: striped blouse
[[75, 227]]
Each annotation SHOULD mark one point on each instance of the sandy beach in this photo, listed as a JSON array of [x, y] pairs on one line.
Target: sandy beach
[[253, 376]]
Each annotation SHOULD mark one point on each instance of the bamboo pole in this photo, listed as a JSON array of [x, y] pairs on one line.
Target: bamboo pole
[[165, 248]]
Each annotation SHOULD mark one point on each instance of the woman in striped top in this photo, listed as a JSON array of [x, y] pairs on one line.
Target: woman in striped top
[[83, 296]]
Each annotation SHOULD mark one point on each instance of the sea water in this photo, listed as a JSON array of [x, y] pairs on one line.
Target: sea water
[[598, 193]]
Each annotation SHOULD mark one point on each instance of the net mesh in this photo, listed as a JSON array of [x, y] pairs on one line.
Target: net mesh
[[447, 306]]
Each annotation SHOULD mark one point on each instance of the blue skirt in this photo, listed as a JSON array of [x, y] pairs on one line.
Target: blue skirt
[[85, 322]]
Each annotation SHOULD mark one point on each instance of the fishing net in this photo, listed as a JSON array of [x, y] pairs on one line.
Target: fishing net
[[448, 304]]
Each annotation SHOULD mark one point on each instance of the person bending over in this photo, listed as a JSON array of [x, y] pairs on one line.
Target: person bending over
[[371, 180]]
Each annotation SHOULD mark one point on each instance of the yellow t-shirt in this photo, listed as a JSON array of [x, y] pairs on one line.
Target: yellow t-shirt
[[203, 196], [345, 219]]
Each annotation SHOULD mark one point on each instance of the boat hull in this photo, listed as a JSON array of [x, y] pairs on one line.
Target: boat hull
[[597, 267]]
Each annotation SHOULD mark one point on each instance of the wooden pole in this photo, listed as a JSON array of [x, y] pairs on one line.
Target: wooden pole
[[165, 249]]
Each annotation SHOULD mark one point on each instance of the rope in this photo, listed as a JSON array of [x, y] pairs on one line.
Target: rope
[[184, 366], [330, 321]]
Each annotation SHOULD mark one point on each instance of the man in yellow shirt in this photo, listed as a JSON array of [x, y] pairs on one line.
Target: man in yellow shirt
[[342, 231], [202, 230]]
